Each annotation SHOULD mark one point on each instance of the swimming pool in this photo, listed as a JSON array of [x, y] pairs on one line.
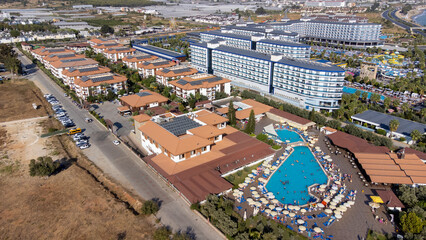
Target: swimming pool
[[353, 90], [285, 134], [291, 180]]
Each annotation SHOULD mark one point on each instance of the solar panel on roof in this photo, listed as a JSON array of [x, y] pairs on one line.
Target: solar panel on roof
[[165, 70], [143, 94], [73, 60], [89, 69], [71, 69], [56, 50], [160, 63], [181, 70], [65, 55], [101, 79], [179, 125], [182, 82]]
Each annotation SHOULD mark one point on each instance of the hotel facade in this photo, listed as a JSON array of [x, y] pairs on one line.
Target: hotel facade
[[303, 83]]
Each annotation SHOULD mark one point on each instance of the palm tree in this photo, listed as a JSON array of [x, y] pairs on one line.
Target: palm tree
[[415, 135], [393, 126]]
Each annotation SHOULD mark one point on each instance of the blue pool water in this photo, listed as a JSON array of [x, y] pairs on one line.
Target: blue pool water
[[285, 134], [299, 171], [353, 90]]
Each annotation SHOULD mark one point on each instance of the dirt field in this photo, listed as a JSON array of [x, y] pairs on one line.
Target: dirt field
[[16, 98], [68, 205]]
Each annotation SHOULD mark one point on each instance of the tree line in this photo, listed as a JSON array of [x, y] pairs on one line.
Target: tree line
[[10, 59]]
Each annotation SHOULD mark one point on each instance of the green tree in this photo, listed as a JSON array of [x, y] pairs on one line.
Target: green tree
[[411, 223], [150, 207], [415, 135], [387, 103], [43, 166], [182, 108], [251, 124], [393, 125], [231, 114], [15, 33], [106, 29], [162, 233], [375, 98], [260, 11], [312, 115], [395, 103], [364, 96]]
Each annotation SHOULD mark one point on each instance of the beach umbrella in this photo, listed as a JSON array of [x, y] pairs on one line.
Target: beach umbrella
[[323, 186], [241, 185], [297, 208], [302, 228], [328, 211], [286, 212], [236, 190], [271, 206], [336, 200], [374, 205], [329, 159], [334, 188], [327, 200], [300, 221], [336, 212], [235, 194], [262, 199], [249, 200], [274, 213], [332, 206], [342, 208], [341, 196], [268, 211], [257, 204], [274, 201], [303, 210], [250, 175], [253, 188], [291, 207], [254, 171], [321, 189], [320, 205], [337, 182], [271, 196], [279, 208], [317, 229], [347, 205], [292, 214], [251, 203], [338, 216], [351, 203], [333, 191]]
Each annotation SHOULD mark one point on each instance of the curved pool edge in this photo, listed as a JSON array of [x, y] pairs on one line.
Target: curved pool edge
[[309, 187]]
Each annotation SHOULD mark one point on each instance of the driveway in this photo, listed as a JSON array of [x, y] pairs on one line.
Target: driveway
[[124, 166]]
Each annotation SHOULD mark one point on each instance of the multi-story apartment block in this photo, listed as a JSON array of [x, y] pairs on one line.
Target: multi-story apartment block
[[99, 84], [56, 57], [96, 41], [118, 53], [42, 52], [259, 43], [148, 68], [304, 83], [132, 61], [100, 48], [165, 75], [71, 74], [204, 84], [59, 66]]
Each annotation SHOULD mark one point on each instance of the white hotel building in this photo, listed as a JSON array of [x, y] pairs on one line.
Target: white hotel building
[[306, 84]]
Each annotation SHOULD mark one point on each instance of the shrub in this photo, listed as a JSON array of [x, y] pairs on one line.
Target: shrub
[[195, 206], [276, 147], [150, 207], [402, 139], [162, 233], [381, 132], [51, 130], [43, 166]]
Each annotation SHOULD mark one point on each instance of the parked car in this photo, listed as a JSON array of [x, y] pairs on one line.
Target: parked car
[[116, 142], [84, 146]]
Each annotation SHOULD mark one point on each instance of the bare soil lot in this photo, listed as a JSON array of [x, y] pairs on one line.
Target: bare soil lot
[[68, 205], [16, 99]]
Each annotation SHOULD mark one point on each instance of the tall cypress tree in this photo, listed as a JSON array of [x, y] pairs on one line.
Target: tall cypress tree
[[251, 124], [231, 114]]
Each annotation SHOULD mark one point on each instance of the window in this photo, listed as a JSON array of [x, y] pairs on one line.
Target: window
[[192, 152], [182, 156]]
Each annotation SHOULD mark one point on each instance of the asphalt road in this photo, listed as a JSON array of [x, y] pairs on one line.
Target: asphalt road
[[121, 164], [393, 20]]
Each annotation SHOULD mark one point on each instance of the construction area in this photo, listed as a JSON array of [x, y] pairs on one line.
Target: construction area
[[70, 204]]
